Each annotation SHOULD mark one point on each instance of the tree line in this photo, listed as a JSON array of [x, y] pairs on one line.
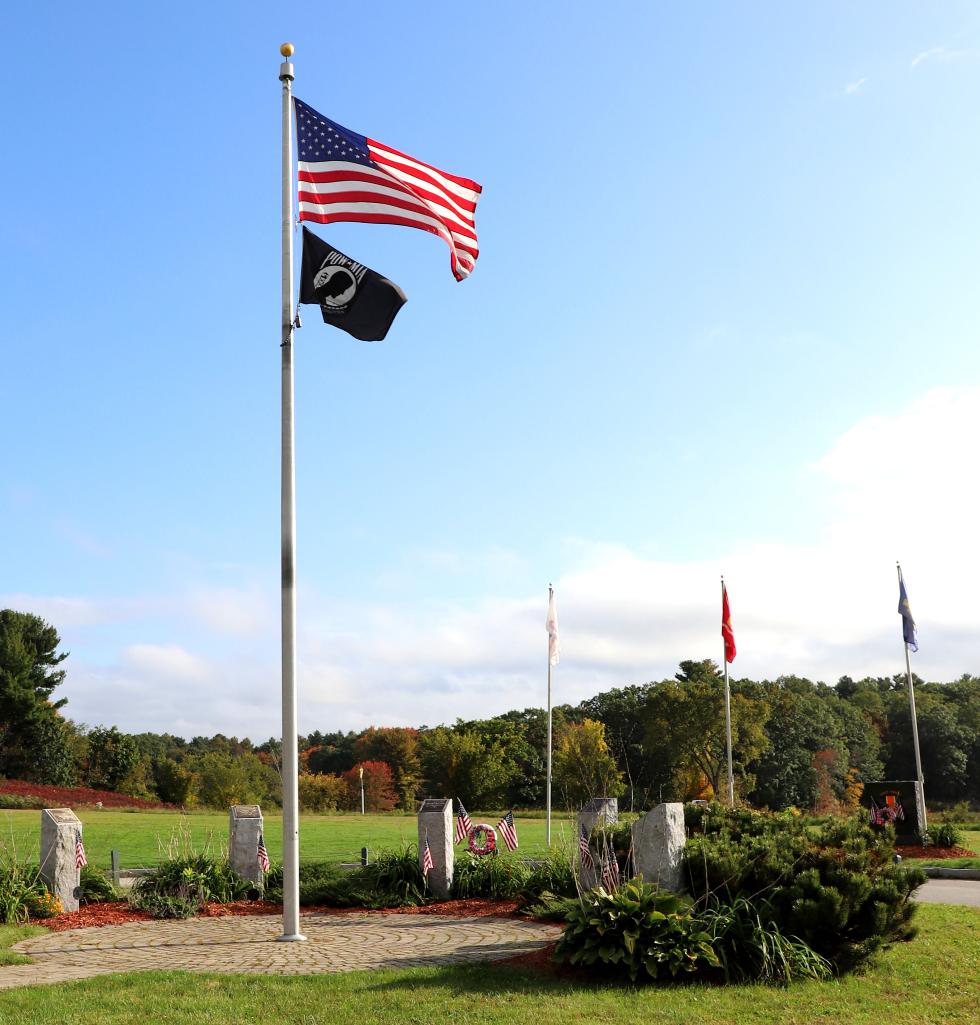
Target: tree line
[[797, 743]]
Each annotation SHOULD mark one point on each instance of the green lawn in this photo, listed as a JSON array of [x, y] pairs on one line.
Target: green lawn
[[933, 979], [142, 837]]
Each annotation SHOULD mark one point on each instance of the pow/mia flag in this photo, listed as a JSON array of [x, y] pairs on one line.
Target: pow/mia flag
[[350, 296]]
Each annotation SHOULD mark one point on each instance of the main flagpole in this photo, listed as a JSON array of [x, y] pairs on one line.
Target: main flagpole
[[290, 754], [915, 724], [547, 828], [728, 709]]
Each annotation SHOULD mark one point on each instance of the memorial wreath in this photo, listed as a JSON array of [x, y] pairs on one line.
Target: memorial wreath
[[488, 845]]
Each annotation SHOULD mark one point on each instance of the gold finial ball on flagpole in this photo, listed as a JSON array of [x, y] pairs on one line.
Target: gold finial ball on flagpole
[[287, 50]]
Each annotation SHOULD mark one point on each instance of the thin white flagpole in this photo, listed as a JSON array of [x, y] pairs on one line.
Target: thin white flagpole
[[547, 830], [290, 754], [915, 723], [728, 706]]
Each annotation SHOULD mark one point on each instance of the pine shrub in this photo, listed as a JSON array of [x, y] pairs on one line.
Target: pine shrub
[[834, 887]]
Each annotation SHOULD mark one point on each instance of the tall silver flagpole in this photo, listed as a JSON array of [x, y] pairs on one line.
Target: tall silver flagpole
[[290, 754], [915, 723], [547, 828], [728, 705]]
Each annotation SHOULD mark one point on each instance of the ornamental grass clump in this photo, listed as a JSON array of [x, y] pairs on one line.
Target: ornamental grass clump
[[637, 932], [22, 894], [493, 877], [180, 887], [834, 887], [945, 834]]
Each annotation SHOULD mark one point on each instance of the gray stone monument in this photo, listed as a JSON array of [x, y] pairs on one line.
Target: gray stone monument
[[60, 827], [436, 822], [658, 846], [599, 809], [244, 830]]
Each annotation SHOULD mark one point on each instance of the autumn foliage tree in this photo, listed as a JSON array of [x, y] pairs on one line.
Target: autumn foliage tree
[[379, 787], [584, 767]]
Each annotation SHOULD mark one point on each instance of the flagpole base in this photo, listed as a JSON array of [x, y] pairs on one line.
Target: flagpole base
[[292, 937]]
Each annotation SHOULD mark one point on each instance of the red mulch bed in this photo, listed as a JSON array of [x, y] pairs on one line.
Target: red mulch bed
[[935, 853], [117, 912], [72, 797]]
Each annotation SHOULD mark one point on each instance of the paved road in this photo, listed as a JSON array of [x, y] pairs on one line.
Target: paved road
[[950, 891], [335, 943]]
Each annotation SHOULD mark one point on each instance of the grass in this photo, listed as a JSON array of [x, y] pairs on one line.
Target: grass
[[11, 934], [141, 837], [931, 979]]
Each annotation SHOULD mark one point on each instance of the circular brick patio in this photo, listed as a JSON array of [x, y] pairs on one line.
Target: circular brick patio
[[248, 944]]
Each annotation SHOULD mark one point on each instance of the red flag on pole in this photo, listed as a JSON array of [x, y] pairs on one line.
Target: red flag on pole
[[726, 627]]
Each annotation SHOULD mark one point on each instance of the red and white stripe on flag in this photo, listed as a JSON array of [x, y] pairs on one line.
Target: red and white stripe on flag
[[80, 858], [463, 824], [508, 830], [427, 858], [263, 855], [344, 176]]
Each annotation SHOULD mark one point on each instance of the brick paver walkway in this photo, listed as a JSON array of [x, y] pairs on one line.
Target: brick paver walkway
[[248, 944]]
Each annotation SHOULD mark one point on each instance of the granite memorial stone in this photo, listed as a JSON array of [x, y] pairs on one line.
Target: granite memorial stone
[[436, 823], [60, 828]]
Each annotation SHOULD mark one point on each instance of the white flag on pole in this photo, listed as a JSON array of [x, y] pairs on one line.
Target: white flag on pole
[[552, 625]]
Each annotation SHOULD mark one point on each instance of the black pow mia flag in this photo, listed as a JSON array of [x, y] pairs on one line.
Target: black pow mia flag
[[350, 296]]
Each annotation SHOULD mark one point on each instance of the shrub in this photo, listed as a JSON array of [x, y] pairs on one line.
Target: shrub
[[42, 904], [550, 883], [639, 931], [393, 880], [178, 888], [832, 886], [21, 802], [94, 887], [320, 882], [494, 877], [321, 792], [945, 835]]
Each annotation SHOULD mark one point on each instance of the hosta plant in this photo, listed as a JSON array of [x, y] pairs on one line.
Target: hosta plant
[[639, 931]]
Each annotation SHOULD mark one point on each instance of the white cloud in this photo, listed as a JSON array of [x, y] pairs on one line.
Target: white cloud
[[901, 485], [940, 54], [852, 87]]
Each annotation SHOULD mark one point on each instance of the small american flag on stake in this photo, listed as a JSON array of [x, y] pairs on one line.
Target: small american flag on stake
[[263, 854], [426, 857], [463, 824], [508, 830], [584, 852], [610, 871], [80, 858]]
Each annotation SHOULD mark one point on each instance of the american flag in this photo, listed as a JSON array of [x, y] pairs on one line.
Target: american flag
[[426, 857], [509, 831], [344, 176], [463, 824], [263, 855], [584, 853], [80, 858], [610, 871]]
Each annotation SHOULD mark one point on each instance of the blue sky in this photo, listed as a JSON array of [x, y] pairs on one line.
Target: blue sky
[[724, 320]]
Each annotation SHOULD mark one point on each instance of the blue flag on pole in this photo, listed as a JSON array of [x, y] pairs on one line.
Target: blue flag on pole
[[908, 623]]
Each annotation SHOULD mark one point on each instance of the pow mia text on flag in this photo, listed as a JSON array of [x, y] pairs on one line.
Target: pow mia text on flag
[[350, 296]]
